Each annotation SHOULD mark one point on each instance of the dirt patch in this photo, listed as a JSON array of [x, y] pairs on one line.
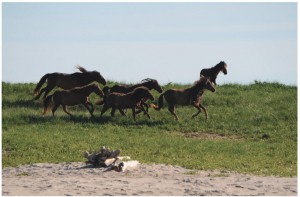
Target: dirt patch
[[198, 135]]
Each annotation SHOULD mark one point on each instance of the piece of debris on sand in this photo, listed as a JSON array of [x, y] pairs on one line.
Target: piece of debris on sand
[[110, 160]]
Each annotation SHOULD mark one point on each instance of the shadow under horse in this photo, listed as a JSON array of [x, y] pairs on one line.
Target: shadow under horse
[[67, 81]]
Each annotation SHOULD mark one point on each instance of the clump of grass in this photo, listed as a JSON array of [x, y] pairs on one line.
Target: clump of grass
[[251, 129], [23, 174]]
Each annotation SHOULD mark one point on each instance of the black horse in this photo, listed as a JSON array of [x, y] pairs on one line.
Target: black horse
[[212, 73]]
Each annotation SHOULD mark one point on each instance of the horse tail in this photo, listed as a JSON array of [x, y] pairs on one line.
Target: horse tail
[[81, 69], [40, 84], [160, 102], [48, 103]]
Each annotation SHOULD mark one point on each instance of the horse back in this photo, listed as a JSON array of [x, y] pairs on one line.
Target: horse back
[[121, 89], [68, 81], [117, 99], [70, 97], [177, 96]]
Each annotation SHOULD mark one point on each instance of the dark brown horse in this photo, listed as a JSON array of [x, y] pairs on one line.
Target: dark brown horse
[[213, 72], [75, 96], [67, 81], [148, 83], [131, 100], [188, 96]]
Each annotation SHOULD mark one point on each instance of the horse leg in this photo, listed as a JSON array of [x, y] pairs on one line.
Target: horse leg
[[199, 109], [47, 89], [145, 110], [56, 105], [40, 93], [104, 109], [121, 112], [139, 108], [113, 110], [133, 113], [66, 110], [147, 107], [87, 104], [144, 105], [202, 107], [172, 110]]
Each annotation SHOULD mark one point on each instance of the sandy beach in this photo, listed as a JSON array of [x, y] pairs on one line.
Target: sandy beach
[[77, 178]]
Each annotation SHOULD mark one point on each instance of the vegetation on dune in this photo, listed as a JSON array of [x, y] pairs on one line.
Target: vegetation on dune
[[251, 129]]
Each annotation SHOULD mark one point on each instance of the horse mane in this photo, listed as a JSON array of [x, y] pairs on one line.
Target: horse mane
[[219, 65], [81, 69], [198, 82], [148, 80]]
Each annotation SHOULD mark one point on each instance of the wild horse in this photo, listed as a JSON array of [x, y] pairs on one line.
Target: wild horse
[[75, 96], [189, 96], [67, 81], [212, 73]]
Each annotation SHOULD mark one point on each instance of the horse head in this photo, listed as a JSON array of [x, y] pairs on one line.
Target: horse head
[[105, 90], [152, 84], [99, 78], [224, 67]]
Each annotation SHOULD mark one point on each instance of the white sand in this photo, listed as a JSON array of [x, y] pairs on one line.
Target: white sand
[[78, 179]]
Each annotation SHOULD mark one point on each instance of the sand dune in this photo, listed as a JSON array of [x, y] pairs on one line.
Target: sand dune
[[78, 179]]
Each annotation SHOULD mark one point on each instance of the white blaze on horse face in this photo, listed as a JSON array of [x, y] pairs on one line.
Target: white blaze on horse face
[[225, 69]]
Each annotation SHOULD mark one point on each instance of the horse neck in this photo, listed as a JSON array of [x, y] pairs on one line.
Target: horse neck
[[148, 85], [93, 76], [216, 69], [198, 89]]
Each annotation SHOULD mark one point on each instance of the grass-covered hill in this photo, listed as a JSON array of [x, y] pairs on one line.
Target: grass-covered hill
[[251, 129]]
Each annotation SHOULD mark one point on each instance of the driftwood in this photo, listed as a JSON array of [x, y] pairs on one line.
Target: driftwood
[[110, 159], [103, 158]]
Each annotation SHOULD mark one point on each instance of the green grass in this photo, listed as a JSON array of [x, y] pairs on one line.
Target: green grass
[[251, 129]]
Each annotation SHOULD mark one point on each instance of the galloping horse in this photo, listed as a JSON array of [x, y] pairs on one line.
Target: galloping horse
[[67, 81], [75, 96], [129, 100], [148, 83], [188, 96], [213, 72]]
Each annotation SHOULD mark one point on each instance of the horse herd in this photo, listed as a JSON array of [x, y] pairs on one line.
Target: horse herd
[[78, 86]]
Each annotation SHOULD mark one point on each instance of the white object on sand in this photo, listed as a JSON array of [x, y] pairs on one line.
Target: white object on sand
[[128, 165]]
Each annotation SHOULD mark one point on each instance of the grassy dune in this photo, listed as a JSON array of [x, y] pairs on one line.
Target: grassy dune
[[251, 129]]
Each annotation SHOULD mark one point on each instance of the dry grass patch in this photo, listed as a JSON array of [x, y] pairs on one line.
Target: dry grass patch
[[209, 136]]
